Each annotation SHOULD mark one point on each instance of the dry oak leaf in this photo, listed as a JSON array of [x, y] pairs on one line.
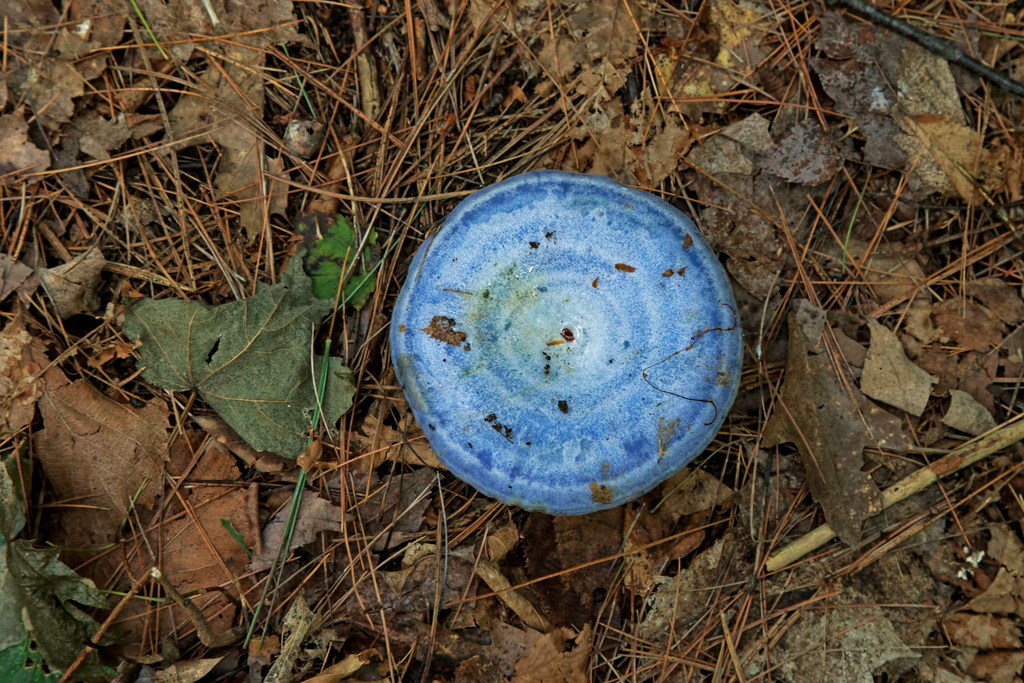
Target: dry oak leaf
[[249, 359], [890, 377], [102, 455], [830, 423]]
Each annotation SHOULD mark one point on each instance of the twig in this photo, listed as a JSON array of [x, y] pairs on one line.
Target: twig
[[1008, 433], [940, 46], [203, 629]]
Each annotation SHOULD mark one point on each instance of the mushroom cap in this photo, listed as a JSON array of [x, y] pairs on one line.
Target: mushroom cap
[[566, 342]]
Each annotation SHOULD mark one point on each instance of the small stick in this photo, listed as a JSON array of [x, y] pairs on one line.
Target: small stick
[[1007, 434], [91, 646], [203, 629], [940, 46]]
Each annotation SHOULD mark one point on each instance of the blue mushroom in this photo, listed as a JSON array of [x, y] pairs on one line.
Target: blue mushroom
[[566, 342]]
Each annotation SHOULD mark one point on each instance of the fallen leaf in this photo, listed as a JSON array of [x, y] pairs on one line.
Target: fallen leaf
[[998, 296], [219, 109], [1005, 595], [890, 377], [972, 326], [947, 156], [186, 672], [100, 455], [678, 601], [804, 155], [847, 637], [38, 601], [967, 415], [74, 286], [196, 550], [378, 442], [346, 667], [398, 506], [23, 361], [333, 250], [570, 548], [1000, 666], [17, 153], [552, 658], [13, 274], [593, 45], [249, 359], [101, 136], [983, 631], [224, 435], [315, 515], [299, 623], [831, 422]]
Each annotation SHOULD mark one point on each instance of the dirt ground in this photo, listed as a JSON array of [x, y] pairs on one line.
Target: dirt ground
[[857, 518]]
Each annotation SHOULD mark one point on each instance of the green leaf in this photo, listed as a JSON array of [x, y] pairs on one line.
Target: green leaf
[[230, 528], [250, 359], [332, 251], [39, 598], [24, 664]]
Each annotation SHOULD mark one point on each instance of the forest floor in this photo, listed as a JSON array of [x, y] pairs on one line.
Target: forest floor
[[864, 194]]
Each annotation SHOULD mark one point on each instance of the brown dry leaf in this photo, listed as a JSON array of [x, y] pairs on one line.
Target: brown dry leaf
[[831, 422], [1005, 595], [224, 435], [972, 326], [186, 672], [680, 600], [853, 639], [52, 85], [691, 491], [594, 44], [17, 153], [890, 377], [569, 547], [945, 155], [74, 286], [999, 297], [552, 659], [804, 155], [101, 456], [392, 511], [346, 667], [967, 415], [1001, 666], [635, 149], [851, 75], [983, 631], [740, 219], [315, 515], [258, 23], [219, 109], [513, 599], [23, 361], [101, 136], [101, 21], [13, 274], [502, 541], [387, 443], [194, 558]]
